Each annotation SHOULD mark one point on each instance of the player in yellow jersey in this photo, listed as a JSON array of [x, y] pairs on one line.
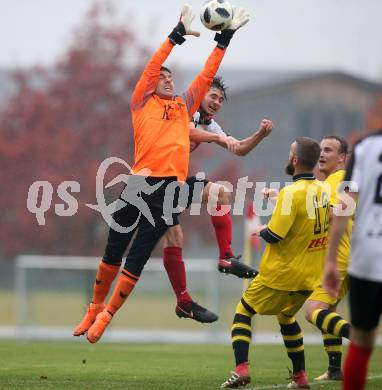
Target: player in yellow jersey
[[321, 307], [291, 265]]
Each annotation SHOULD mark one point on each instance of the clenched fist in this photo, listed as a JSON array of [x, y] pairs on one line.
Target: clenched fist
[[266, 127]]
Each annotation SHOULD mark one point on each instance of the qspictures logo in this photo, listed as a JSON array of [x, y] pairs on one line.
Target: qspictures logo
[[176, 199]]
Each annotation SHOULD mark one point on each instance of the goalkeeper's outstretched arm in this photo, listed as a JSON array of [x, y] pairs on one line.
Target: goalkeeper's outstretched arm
[[200, 86], [148, 81]]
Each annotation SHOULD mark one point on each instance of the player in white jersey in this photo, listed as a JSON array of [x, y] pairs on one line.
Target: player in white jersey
[[365, 270], [205, 129]]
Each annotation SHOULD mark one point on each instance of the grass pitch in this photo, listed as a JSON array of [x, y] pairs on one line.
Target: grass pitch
[[79, 365]]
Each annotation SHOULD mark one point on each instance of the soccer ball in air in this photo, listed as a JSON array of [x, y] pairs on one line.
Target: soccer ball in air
[[216, 14]]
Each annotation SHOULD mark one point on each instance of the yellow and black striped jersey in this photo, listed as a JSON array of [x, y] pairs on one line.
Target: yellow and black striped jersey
[[299, 226]]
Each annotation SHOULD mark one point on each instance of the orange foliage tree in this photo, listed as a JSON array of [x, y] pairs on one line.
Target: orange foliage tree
[[59, 125]]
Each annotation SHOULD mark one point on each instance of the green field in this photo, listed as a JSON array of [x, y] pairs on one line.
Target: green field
[[79, 365], [67, 309]]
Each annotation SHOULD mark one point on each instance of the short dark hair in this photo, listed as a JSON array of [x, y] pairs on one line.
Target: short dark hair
[[344, 147], [165, 69], [218, 83], [308, 152]]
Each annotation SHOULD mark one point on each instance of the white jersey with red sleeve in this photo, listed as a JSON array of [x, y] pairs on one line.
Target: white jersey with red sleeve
[[211, 126]]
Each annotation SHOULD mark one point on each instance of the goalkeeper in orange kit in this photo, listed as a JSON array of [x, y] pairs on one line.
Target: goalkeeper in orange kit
[[161, 131]]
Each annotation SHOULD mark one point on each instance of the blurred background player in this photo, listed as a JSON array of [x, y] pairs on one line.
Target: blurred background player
[[320, 308], [161, 129], [207, 130], [290, 268], [365, 269]]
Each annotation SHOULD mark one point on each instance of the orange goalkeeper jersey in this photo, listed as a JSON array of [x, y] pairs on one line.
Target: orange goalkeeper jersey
[[161, 126]]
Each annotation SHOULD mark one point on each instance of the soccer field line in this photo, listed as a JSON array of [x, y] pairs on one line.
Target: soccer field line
[[314, 383], [170, 336]]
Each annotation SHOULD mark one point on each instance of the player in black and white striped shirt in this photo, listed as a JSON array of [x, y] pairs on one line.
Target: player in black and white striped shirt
[[365, 270]]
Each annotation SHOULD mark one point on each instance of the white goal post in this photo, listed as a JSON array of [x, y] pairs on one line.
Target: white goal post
[[51, 293], [54, 265]]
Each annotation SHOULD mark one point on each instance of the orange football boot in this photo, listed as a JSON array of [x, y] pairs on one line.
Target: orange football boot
[[89, 318], [95, 332]]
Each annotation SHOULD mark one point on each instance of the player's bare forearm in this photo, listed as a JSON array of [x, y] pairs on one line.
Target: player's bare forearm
[[248, 144], [227, 142], [221, 143], [243, 147], [337, 230], [331, 279], [199, 135]]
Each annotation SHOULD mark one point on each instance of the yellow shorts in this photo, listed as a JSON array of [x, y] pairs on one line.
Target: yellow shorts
[[267, 301], [321, 295]]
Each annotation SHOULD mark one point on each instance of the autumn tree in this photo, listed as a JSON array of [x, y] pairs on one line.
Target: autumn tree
[[60, 123]]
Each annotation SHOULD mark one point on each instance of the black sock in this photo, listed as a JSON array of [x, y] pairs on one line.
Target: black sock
[[333, 347], [293, 341], [241, 337]]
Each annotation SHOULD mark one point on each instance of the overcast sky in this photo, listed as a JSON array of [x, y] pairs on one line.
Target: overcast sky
[[304, 34]]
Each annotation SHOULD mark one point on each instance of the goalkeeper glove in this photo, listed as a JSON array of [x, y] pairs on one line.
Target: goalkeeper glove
[[240, 18], [184, 26]]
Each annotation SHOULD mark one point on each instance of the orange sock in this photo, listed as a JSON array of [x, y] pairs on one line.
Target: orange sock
[[122, 290], [105, 276]]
